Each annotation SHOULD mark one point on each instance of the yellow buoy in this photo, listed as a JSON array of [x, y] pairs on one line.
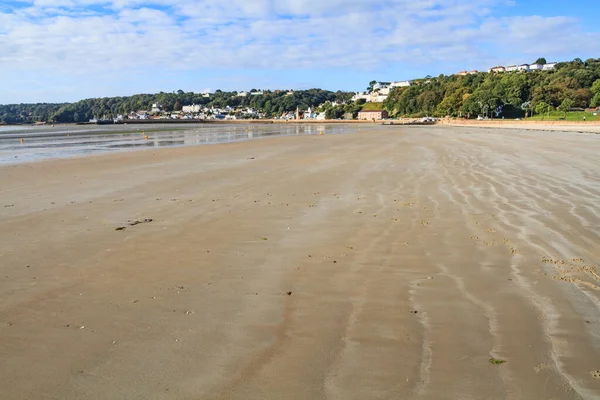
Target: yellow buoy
[[146, 137], [22, 141], [320, 133]]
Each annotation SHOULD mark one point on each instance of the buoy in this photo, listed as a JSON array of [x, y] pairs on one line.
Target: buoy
[[320, 133], [22, 141], [146, 137], [69, 134]]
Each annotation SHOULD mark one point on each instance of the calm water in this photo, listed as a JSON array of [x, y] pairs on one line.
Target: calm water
[[41, 143]]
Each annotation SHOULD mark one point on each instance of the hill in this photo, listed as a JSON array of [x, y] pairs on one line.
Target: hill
[[514, 94], [270, 102]]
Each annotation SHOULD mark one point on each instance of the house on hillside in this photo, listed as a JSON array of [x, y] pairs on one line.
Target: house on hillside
[[400, 84], [360, 95], [522, 68], [372, 115], [242, 94], [549, 66], [498, 69], [536, 67], [376, 97], [156, 108], [380, 85], [462, 73]]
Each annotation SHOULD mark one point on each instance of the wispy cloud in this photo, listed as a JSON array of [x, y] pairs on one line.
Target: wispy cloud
[[95, 37]]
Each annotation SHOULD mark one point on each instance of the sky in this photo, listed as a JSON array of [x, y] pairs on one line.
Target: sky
[[67, 50]]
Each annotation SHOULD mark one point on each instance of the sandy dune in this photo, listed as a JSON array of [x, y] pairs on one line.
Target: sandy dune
[[393, 263]]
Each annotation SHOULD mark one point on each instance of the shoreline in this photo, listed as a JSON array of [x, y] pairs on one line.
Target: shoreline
[[24, 147]]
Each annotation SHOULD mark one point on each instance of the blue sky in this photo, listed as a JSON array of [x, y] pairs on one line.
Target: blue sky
[[66, 50]]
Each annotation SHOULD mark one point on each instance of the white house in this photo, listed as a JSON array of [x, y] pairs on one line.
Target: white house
[[400, 84], [549, 66], [257, 93], [513, 68], [536, 67], [156, 107], [360, 95], [191, 109], [380, 85], [321, 116], [242, 94]]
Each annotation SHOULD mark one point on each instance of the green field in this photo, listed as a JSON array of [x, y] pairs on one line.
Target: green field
[[571, 116]]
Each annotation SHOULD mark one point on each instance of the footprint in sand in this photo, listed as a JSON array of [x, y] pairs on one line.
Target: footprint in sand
[[541, 367], [577, 260], [595, 374], [475, 237], [491, 230], [488, 243]]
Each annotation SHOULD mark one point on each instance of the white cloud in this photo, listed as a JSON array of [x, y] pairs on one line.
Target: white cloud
[[101, 36]]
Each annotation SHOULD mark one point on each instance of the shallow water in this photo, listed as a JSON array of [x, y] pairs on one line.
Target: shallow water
[[40, 143]]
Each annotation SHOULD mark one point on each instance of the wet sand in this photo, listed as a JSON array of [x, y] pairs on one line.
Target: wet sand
[[385, 264]]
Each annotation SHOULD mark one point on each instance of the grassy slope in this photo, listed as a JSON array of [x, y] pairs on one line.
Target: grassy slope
[[571, 116], [372, 107]]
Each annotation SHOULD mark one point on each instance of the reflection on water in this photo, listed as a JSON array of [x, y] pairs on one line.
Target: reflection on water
[[47, 142]]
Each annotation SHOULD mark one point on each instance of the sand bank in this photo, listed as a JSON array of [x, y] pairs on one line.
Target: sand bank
[[385, 264]]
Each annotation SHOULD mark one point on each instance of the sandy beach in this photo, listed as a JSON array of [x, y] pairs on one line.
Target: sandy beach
[[436, 262]]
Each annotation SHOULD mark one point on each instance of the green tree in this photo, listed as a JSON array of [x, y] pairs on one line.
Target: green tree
[[540, 60], [370, 87], [542, 108], [565, 106], [595, 102]]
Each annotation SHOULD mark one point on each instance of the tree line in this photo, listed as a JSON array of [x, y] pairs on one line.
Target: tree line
[[574, 84], [271, 102]]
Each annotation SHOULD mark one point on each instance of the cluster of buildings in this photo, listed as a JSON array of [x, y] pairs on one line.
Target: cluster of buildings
[[523, 68], [195, 111], [381, 90], [260, 92]]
